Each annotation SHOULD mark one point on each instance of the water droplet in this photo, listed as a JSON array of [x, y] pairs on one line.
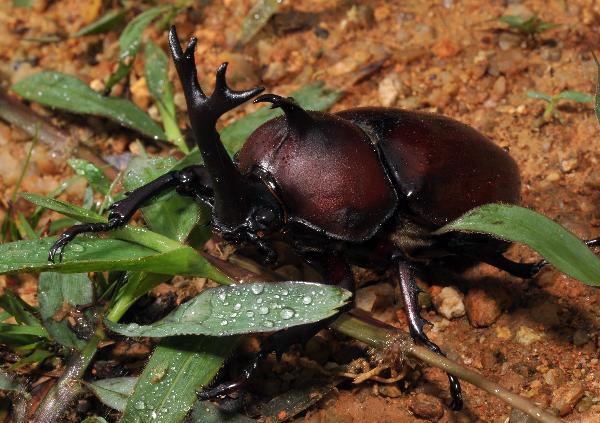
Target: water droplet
[[153, 415], [77, 248], [224, 322], [140, 405], [307, 299], [250, 313], [287, 313], [132, 326], [263, 310], [259, 301], [221, 296], [269, 324], [284, 292], [257, 288], [237, 306]]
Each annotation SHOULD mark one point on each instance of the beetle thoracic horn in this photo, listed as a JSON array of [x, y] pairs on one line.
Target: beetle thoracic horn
[[297, 118], [230, 202]]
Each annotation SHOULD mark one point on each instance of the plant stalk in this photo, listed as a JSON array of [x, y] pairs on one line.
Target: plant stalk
[[68, 386], [58, 141], [379, 335]]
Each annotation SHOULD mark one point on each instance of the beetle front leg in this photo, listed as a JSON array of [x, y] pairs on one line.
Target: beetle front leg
[[410, 293], [338, 273], [190, 181]]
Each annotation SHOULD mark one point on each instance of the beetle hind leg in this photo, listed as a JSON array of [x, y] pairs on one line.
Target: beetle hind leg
[[416, 323]]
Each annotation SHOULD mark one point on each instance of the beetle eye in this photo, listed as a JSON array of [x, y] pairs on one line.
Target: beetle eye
[[265, 216]]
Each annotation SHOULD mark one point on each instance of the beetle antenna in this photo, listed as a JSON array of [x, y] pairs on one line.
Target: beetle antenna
[[296, 116]]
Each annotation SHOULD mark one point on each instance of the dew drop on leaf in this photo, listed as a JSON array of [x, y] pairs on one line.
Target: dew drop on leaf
[[257, 288], [287, 313], [77, 248], [263, 310], [269, 324], [307, 299]]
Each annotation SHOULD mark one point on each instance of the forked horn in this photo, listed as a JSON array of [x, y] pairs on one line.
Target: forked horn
[[230, 202]]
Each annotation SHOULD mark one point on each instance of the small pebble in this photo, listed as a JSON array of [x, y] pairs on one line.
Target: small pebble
[[426, 407], [389, 88], [390, 391], [449, 302], [485, 305], [517, 416], [527, 336], [568, 165], [580, 337], [566, 397], [499, 88], [555, 377]]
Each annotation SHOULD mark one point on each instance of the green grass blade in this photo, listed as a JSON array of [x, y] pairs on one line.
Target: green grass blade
[[19, 335], [560, 247], [91, 254], [256, 18], [22, 312], [166, 389], [155, 70], [114, 392], [94, 175], [539, 96], [576, 96], [245, 308], [68, 93], [70, 210], [131, 37], [105, 23]]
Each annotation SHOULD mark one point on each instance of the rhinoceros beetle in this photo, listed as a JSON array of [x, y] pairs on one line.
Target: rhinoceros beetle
[[366, 186]]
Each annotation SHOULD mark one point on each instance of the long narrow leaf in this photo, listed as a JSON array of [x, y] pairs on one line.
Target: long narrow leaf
[[68, 93], [557, 245], [19, 309], [90, 254], [96, 178], [108, 21], [166, 389], [114, 392], [131, 37], [157, 79], [245, 308]]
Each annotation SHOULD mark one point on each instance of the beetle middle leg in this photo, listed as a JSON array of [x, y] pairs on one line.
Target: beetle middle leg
[[190, 181], [410, 293], [338, 273]]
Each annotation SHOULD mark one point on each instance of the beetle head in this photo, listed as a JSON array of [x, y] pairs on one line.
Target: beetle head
[[263, 216]]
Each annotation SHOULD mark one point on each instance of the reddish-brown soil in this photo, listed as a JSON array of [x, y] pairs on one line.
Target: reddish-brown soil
[[452, 57]]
